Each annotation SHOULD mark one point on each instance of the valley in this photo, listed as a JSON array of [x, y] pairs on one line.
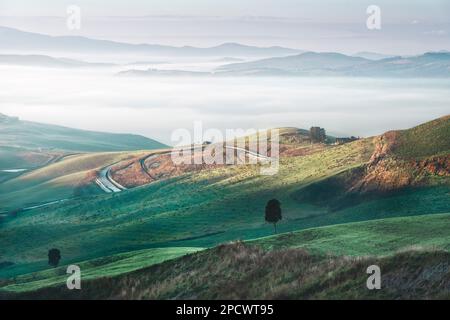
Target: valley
[[224, 150], [352, 199]]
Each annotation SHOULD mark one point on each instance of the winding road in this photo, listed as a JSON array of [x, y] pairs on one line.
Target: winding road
[[109, 185]]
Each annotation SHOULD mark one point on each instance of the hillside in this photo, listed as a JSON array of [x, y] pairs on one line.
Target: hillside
[[19, 140], [69, 177], [293, 142], [425, 140], [414, 158], [203, 208], [298, 275], [431, 64], [208, 207], [309, 62], [31, 135], [309, 264]]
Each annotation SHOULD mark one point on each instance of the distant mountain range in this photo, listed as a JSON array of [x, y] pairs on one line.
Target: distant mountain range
[[46, 61], [432, 64], [17, 41], [372, 55], [273, 61]]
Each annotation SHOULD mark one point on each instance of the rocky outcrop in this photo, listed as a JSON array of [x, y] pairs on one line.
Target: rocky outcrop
[[386, 171]]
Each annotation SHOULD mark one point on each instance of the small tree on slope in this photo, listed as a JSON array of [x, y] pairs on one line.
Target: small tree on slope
[[54, 255], [273, 212]]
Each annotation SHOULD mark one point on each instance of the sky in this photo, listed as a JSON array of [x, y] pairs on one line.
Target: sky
[[327, 25]]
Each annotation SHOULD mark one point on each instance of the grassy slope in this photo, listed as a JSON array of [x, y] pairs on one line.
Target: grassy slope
[[56, 181], [227, 202], [241, 272], [30, 145], [279, 266], [202, 210], [429, 139], [20, 158], [199, 210], [406, 159], [32, 135], [97, 268], [376, 237]]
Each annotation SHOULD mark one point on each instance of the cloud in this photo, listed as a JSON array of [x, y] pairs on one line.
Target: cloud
[[436, 32], [155, 107]]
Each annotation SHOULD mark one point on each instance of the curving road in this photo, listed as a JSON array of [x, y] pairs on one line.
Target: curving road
[[109, 185]]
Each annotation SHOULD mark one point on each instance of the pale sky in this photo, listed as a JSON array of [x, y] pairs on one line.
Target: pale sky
[[322, 10], [408, 26]]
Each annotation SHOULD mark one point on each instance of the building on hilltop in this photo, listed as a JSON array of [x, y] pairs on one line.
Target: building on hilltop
[[317, 134]]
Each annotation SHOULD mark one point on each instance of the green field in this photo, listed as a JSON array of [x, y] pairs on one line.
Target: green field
[[431, 138], [38, 136], [368, 238], [141, 227], [221, 204], [395, 242], [97, 268], [65, 179], [200, 210]]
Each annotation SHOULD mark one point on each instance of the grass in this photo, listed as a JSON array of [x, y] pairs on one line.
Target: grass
[[429, 139], [37, 136], [200, 210], [238, 271], [58, 180], [215, 206], [325, 262], [206, 208], [97, 268], [377, 237], [21, 158]]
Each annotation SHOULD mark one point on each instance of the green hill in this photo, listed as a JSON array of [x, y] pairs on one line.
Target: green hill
[[25, 136], [70, 177], [313, 263], [206, 208], [428, 139], [414, 158]]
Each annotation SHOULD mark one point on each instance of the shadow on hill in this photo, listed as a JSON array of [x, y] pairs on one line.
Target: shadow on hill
[[226, 271]]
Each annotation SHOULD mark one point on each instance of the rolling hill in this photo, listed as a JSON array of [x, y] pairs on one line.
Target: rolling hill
[[322, 213], [69, 177], [304, 63], [203, 209], [328, 262], [414, 158], [21, 141], [431, 64]]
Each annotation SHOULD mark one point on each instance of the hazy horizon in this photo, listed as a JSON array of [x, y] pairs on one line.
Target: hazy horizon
[[154, 107], [95, 99], [414, 26]]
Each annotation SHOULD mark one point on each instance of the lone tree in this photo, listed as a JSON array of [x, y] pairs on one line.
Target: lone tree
[[273, 212], [54, 255]]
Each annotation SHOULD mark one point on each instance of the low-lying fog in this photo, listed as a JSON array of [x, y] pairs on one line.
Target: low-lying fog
[[95, 99]]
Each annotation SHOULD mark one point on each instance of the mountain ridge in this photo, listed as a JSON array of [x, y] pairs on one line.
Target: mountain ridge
[[429, 64], [17, 40]]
